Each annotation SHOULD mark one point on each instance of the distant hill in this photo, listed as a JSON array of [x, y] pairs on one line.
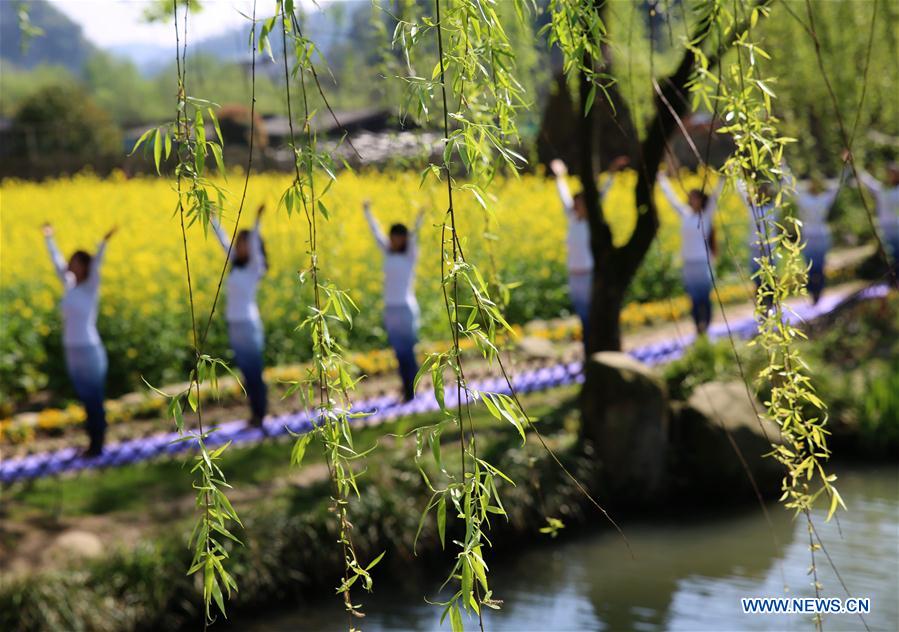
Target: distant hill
[[326, 27], [147, 58], [62, 44]]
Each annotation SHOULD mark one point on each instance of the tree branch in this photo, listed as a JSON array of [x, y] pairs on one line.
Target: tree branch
[[600, 233], [652, 149]]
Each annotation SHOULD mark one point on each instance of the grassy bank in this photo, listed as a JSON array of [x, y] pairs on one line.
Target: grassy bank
[[289, 534], [289, 551], [853, 358]]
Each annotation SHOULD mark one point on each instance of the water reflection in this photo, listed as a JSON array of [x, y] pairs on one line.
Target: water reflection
[[687, 575]]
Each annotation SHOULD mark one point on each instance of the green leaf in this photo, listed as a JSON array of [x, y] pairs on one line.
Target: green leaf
[[491, 405], [467, 579], [591, 96], [299, 448], [140, 141], [456, 619], [437, 379], [177, 413], [435, 447], [441, 521], [835, 501], [215, 124], [208, 581], [219, 600], [157, 148], [375, 561], [219, 160], [421, 521], [200, 129]]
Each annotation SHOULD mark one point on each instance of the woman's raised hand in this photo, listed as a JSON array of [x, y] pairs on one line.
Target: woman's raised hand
[[112, 231], [47, 229], [558, 168], [260, 210]]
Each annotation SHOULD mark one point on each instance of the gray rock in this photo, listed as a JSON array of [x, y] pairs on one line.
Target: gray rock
[[718, 443], [729, 404], [74, 544], [625, 418], [533, 347]]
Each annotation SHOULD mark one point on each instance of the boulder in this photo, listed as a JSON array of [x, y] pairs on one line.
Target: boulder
[[74, 544], [533, 347], [625, 419], [716, 436]]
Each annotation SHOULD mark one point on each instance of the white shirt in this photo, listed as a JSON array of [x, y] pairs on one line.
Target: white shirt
[[580, 255], [399, 267], [814, 208], [695, 228], [243, 281], [887, 203], [79, 300], [761, 217]]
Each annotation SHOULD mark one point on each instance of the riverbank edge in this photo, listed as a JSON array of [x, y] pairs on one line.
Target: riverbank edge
[[289, 548], [289, 554]]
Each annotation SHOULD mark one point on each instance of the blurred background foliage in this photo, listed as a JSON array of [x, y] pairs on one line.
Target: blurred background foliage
[[75, 106], [136, 86]]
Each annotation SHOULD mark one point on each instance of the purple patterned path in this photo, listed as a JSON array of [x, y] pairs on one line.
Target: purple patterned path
[[379, 409]]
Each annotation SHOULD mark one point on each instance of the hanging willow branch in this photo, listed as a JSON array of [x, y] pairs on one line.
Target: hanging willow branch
[[199, 198], [328, 383], [745, 98], [475, 68]]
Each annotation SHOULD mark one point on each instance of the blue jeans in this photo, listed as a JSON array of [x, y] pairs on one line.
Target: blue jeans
[[247, 342], [755, 255], [892, 243], [580, 288], [816, 253], [87, 367], [698, 284], [762, 233], [401, 323]]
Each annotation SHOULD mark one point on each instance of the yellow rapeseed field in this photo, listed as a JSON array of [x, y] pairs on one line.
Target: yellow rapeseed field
[[144, 320]]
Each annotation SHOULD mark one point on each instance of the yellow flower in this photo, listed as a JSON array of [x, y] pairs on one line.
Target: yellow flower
[[144, 293]]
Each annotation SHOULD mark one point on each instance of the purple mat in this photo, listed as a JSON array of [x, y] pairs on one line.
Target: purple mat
[[382, 408]]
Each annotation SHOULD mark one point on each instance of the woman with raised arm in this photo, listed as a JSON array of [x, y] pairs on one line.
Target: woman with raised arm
[[85, 355], [698, 246], [580, 255], [762, 224], [887, 199], [814, 199], [245, 329], [763, 221], [401, 313]]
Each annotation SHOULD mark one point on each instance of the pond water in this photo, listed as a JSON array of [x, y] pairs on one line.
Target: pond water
[[689, 574]]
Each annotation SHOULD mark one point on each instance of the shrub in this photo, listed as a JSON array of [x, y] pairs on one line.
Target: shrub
[[62, 124]]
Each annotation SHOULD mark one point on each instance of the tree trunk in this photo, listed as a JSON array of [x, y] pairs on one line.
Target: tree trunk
[[559, 128], [615, 266], [605, 312]]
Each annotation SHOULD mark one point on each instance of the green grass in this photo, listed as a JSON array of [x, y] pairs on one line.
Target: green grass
[[150, 487], [289, 540]]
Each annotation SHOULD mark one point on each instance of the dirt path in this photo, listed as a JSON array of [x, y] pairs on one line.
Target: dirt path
[[44, 540]]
